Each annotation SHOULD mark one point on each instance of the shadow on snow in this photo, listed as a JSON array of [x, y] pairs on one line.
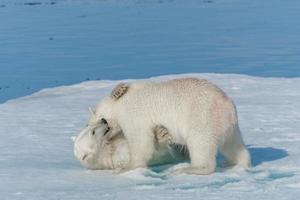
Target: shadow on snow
[[260, 155]]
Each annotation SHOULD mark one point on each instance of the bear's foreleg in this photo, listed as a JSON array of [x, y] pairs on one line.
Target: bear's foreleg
[[202, 150], [141, 146]]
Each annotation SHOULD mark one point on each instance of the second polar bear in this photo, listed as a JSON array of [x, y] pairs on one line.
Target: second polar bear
[[196, 113]]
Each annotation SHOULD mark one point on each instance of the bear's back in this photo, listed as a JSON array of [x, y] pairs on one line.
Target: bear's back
[[183, 95]]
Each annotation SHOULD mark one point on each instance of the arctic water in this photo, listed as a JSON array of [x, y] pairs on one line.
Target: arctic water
[[47, 43]]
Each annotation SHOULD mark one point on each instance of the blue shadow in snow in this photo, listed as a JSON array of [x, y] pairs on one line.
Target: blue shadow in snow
[[260, 155]]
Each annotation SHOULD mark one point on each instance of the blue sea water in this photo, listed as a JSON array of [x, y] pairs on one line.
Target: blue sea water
[[46, 43]]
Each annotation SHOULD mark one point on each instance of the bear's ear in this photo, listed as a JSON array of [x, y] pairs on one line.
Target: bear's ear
[[92, 111], [119, 91]]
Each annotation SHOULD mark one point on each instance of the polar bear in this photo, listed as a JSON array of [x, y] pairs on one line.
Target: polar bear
[[196, 113], [112, 152]]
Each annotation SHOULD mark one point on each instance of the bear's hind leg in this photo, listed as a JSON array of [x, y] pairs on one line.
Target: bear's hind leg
[[235, 151]]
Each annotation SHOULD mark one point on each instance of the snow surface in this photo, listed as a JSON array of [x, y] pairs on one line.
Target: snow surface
[[37, 162]]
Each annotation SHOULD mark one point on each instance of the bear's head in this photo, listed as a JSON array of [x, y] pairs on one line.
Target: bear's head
[[92, 145]]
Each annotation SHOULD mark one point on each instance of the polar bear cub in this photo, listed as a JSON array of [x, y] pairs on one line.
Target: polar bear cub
[[195, 112], [94, 152]]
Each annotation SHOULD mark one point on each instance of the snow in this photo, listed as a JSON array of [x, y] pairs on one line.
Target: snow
[[37, 162]]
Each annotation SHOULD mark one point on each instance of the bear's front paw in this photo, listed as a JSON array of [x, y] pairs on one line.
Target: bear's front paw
[[162, 135], [194, 170], [120, 170], [119, 91]]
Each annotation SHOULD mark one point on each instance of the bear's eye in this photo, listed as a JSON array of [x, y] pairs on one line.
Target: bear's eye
[[107, 130], [93, 132], [103, 121]]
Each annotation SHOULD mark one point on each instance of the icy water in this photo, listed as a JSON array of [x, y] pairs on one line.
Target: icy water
[[51, 43]]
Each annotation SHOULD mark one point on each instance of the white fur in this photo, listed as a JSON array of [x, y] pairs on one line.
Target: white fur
[[196, 113], [112, 151], [99, 151]]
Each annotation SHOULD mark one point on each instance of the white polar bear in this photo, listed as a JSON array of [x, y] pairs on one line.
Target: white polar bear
[[96, 151], [195, 112], [112, 152]]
